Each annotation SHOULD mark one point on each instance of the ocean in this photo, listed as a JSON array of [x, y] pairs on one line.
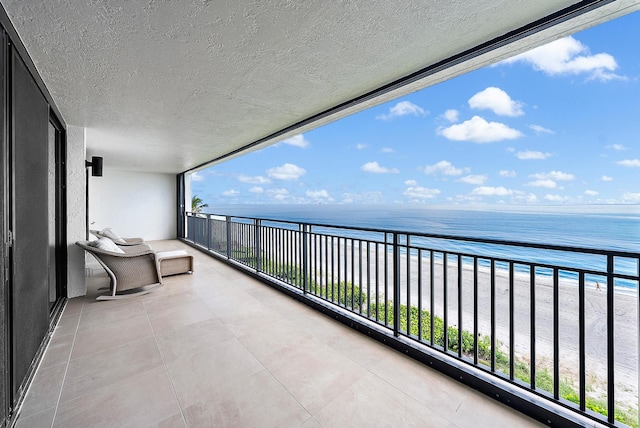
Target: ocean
[[601, 228]]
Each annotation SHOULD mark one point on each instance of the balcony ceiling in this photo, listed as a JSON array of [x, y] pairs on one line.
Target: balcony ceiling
[[165, 86]]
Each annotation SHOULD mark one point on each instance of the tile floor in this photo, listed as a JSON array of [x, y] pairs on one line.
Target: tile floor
[[220, 349]]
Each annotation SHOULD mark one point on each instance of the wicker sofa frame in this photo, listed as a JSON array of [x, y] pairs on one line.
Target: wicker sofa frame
[[135, 269]]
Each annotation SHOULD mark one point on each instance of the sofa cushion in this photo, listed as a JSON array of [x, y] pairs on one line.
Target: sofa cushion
[[113, 235], [107, 245]]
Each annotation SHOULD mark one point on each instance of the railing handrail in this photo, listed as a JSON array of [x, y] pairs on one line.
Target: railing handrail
[[554, 247]]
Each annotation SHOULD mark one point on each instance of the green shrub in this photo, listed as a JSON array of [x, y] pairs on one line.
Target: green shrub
[[343, 293]]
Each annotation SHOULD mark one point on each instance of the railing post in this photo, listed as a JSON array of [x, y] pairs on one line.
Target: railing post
[[305, 265], [228, 223], [258, 243], [611, 388], [396, 285], [207, 231]]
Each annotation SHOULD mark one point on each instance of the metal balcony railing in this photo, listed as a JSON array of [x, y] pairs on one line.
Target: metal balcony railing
[[557, 323]]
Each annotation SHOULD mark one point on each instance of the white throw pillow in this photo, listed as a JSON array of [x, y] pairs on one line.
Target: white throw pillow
[[107, 245], [111, 234]]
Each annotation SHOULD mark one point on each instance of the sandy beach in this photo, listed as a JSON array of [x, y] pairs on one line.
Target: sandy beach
[[361, 270]]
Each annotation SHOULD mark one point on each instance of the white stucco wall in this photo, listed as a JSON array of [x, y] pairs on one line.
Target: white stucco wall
[[76, 209], [134, 204]]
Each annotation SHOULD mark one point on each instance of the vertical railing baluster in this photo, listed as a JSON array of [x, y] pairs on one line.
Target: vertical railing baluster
[[432, 295], [611, 403], [290, 260], [305, 264], [512, 344], [581, 340], [353, 274], [333, 270], [445, 302], [315, 263], [368, 259], [408, 288], [326, 267], [339, 268], [556, 335], [208, 231], [360, 275], [419, 294], [475, 310], [396, 285], [258, 245], [228, 223], [377, 273], [493, 315], [386, 279], [532, 324], [460, 306]]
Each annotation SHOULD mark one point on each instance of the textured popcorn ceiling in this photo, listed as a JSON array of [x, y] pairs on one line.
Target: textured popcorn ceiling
[[167, 85]]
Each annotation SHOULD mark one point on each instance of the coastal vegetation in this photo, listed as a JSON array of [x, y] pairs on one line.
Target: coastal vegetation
[[197, 204]]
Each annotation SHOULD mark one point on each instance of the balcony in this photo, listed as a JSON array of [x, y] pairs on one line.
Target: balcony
[[548, 329], [219, 348]]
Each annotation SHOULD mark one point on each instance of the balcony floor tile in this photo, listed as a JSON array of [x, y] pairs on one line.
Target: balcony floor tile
[[218, 348]]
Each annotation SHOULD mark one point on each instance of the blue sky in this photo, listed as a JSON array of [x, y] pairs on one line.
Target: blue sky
[[559, 125]]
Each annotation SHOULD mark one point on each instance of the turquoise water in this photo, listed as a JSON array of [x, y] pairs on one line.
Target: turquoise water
[[608, 229]]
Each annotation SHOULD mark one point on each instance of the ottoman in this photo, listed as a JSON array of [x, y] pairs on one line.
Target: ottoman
[[174, 262]]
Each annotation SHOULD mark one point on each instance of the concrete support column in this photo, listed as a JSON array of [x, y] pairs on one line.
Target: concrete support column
[[76, 194]]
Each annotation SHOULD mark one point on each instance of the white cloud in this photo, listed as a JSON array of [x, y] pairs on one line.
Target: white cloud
[[403, 108], [387, 150], [230, 193], [442, 167], [196, 177], [374, 168], [474, 179], [254, 180], [478, 130], [411, 183], [278, 194], [451, 115], [549, 184], [287, 171], [496, 100], [418, 192], [630, 163], [606, 178], [361, 146], [491, 191], [319, 195], [617, 147], [505, 173], [528, 198], [631, 198], [554, 198], [298, 141], [553, 175], [256, 189], [529, 155], [568, 56], [541, 129], [591, 193]]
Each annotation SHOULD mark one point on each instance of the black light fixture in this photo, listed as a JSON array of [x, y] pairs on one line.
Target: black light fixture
[[95, 165], [96, 171]]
